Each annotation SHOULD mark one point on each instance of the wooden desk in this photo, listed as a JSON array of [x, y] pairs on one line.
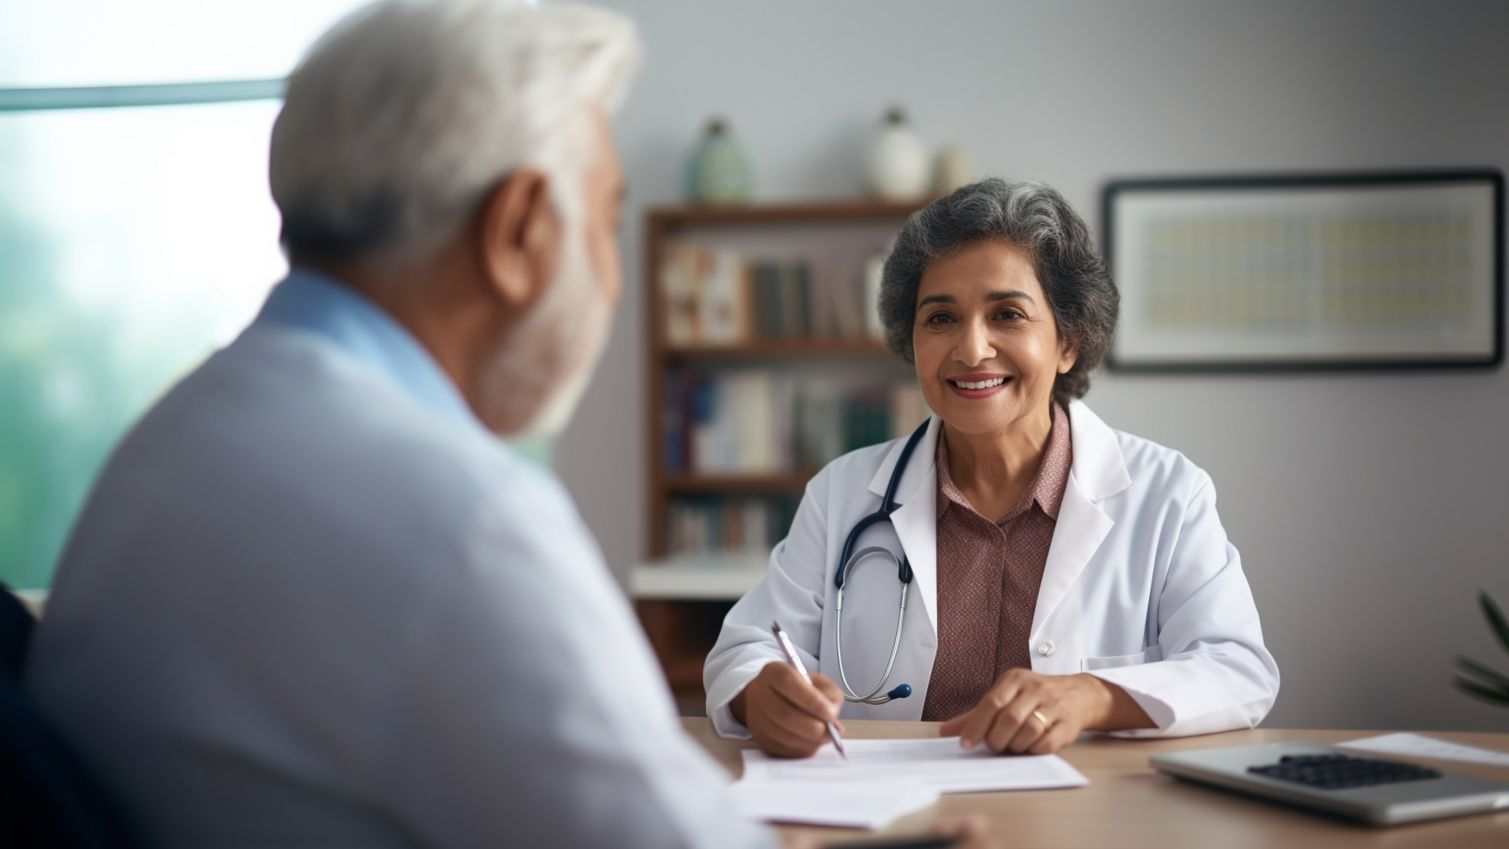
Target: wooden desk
[[1128, 804]]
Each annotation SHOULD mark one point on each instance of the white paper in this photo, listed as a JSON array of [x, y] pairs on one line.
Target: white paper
[[845, 804], [1428, 747], [935, 762]]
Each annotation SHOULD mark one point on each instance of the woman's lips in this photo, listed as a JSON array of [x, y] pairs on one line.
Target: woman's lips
[[1000, 382]]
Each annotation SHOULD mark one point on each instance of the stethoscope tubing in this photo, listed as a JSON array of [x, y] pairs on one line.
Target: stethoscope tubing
[[847, 562], [873, 697]]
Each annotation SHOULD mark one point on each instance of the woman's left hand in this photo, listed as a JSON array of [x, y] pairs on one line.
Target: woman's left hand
[[1027, 712]]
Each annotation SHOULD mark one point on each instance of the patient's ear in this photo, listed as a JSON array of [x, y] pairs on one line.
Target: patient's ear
[[520, 238]]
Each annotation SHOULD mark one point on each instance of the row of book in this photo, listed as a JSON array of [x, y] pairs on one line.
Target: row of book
[[764, 422], [719, 297], [727, 524]]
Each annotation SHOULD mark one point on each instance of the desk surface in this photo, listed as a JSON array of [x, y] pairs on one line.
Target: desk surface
[[1128, 804]]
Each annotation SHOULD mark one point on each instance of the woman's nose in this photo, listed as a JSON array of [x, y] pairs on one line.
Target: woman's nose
[[974, 345]]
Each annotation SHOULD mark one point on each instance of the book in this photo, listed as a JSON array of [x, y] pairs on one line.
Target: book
[[724, 303], [765, 278], [719, 297], [762, 421], [680, 268], [735, 523]]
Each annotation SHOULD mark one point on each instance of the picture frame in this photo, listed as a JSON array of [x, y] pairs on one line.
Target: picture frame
[[1376, 270]]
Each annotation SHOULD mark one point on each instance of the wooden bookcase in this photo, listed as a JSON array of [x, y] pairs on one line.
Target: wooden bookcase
[[682, 619]]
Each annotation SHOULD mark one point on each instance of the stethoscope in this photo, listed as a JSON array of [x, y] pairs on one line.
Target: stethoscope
[[846, 561]]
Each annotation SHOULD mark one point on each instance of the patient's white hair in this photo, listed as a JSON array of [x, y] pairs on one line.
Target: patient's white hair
[[405, 115]]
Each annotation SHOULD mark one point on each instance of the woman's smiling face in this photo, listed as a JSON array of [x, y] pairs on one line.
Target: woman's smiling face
[[985, 340]]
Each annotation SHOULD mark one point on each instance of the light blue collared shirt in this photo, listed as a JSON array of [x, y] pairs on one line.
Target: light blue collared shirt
[[351, 593], [313, 302]]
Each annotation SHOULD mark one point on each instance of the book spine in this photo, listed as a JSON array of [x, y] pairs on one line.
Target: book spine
[[673, 424]]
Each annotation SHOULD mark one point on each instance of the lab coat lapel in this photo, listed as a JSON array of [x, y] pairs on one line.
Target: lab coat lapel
[[1097, 473], [916, 520]]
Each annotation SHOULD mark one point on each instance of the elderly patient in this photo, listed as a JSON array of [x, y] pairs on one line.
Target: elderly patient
[[1057, 575], [312, 600]]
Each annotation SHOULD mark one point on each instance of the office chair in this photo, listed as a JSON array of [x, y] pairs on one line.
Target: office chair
[[47, 798], [15, 634]]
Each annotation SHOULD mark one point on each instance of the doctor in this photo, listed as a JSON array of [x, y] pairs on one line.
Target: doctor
[[1016, 569]]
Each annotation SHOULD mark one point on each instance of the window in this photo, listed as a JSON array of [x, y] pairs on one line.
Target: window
[[134, 239]]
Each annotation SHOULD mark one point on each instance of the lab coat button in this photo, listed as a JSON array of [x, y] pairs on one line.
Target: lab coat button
[[1045, 648]]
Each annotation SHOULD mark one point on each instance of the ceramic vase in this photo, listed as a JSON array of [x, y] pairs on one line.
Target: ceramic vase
[[953, 171], [719, 171], [899, 165]]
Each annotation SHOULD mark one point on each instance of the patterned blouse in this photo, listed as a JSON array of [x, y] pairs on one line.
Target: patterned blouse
[[988, 577]]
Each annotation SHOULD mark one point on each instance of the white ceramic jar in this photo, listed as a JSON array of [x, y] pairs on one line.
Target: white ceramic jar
[[899, 168]]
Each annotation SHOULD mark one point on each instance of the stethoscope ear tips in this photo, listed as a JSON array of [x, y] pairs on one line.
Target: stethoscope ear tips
[[900, 692]]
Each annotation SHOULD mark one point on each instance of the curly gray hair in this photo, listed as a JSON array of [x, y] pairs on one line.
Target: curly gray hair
[[1033, 217]]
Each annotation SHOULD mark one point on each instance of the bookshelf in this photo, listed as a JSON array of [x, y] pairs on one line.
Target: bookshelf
[[763, 361]]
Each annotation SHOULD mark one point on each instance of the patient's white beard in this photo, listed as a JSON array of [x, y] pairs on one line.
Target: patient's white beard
[[548, 360]]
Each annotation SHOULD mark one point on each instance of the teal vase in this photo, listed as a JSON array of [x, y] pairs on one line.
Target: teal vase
[[719, 172]]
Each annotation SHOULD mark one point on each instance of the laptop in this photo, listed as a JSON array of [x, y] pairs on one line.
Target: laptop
[[1332, 780]]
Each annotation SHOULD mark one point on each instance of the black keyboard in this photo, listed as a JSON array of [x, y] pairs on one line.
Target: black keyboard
[[1341, 772]]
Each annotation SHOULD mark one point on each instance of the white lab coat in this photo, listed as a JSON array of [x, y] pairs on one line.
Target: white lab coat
[[1141, 588]]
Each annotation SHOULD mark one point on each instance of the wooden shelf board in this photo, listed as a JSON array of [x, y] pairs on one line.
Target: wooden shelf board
[[781, 483], [774, 349], [837, 211]]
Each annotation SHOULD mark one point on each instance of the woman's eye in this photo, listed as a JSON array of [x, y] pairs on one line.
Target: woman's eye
[[939, 318], [1009, 315]]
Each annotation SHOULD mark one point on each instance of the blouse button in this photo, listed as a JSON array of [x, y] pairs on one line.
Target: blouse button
[[1045, 648]]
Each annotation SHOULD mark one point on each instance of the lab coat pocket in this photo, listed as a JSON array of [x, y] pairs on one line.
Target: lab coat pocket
[[1151, 654]]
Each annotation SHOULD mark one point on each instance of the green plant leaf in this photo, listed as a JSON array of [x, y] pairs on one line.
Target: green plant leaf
[[1472, 667], [1478, 691], [1500, 691], [1488, 694], [1495, 618]]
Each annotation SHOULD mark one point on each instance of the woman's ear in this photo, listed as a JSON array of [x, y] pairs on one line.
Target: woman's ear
[[1068, 354], [520, 238]]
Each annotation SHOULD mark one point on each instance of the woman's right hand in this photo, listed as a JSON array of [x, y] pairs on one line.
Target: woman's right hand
[[787, 716]]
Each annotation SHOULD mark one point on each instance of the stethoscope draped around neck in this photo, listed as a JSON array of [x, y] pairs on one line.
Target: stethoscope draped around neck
[[849, 558]]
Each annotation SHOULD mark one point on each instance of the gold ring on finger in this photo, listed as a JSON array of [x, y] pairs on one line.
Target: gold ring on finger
[[1038, 715]]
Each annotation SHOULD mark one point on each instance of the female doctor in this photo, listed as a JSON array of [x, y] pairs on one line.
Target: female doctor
[[1017, 568]]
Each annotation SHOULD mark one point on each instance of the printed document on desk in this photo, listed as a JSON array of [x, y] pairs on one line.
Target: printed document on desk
[[936, 762], [1427, 747], [867, 804]]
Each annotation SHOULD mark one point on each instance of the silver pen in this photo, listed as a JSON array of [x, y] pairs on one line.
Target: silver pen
[[791, 657]]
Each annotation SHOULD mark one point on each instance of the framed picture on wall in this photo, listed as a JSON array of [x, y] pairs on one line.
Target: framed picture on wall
[[1355, 271]]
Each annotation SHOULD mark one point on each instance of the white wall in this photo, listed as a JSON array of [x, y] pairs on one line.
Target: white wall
[[1369, 508]]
